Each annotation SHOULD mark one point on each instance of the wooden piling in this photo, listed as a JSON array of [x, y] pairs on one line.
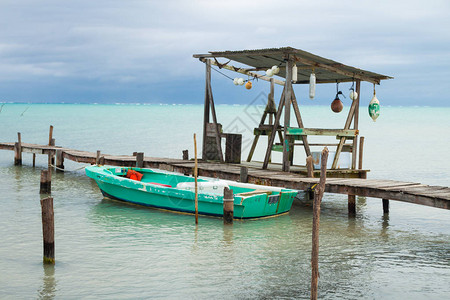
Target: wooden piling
[[18, 151], [46, 182], [386, 206], [97, 158], [310, 174], [318, 194], [244, 174], [48, 230], [351, 205], [50, 135], [309, 167], [59, 161], [185, 155], [34, 160], [140, 160], [228, 206], [361, 148], [51, 154], [195, 179]]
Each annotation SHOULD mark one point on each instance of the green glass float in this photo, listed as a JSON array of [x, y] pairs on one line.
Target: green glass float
[[374, 107]]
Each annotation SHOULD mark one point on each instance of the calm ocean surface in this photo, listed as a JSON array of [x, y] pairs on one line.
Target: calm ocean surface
[[109, 250]]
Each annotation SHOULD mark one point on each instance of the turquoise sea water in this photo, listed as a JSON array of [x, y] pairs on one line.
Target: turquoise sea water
[[110, 250]]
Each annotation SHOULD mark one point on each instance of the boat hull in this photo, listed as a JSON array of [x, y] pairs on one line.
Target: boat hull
[[173, 199]]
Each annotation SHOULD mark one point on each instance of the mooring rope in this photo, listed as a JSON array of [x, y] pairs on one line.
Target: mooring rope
[[64, 170]]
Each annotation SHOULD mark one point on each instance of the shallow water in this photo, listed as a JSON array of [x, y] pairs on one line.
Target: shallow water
[[107, 249]]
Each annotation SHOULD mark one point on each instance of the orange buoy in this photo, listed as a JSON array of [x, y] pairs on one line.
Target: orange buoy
[[248, 85]]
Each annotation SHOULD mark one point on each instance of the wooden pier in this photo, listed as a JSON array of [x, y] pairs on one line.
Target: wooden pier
[[434, 196]]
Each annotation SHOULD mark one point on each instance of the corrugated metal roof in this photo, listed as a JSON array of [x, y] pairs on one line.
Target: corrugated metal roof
[[326, 70]]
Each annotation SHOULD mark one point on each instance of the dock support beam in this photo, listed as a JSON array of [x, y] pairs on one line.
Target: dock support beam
[[361, 149], [287, 114], [310, 174], [351, 205], [46, 182], [386, 206], [228, 206], [18, 151], [48, 230], [244, 174], [59, 160], [140, 160]]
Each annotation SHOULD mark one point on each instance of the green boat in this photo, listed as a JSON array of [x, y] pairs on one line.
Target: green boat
[[176, 192]]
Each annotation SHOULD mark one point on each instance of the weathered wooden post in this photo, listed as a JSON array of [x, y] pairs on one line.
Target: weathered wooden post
[[34, 160], [310, 174], [244, 174], [185, 155], [361, 148], [51, 142], [228, 206], [351, 205], [46, 182], [309, 167], [59, 160], [50, 135], [97, 158], [18, 151], [48, 230], [195, 179], [386, 206], [318, 194], [140, 160], [52, 155]]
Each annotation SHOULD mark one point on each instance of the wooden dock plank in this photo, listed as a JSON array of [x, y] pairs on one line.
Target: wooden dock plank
[[436, 196]]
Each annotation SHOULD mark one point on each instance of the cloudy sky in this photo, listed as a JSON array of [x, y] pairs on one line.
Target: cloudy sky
[[141, 51]]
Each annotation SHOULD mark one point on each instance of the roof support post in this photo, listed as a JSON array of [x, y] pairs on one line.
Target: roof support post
[[351, 115], [355, 125], [287, 115], [274, 131], [209, 105], [300, 124], [206, 106]]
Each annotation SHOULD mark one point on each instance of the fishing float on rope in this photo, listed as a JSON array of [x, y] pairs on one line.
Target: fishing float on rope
[[374, 106]]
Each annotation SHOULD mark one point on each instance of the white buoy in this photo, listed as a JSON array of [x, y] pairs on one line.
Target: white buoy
[[241, 81], [353, 95], [235, 81], [294, 73], [269, 72], [275, 70], [312, 85]]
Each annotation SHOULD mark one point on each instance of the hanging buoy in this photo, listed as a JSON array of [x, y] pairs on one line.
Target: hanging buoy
[[248, 85], [353, 95], [374, 108], [235, 81], [312, 85], [294, 72], [241, 81], [275, 70], [337, 106], [269, 72]]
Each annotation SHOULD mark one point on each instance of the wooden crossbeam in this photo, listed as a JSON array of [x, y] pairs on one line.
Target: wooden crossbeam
[[320, 131], [336, 69], [245, 72]]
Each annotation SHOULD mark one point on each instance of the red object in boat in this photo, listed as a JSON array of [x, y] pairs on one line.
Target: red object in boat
[[134, 175]]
